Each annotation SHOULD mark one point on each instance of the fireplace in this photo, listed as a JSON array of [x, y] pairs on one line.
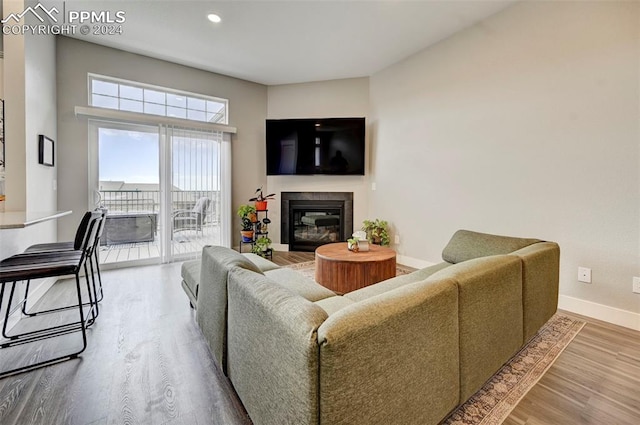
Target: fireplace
[[311, 219]]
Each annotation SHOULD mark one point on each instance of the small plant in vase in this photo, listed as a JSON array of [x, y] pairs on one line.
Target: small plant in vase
[[261, 200], [352, 244], [377, 231]]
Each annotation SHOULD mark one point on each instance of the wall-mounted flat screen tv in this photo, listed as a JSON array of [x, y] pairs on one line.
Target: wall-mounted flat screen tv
[[315, 146]]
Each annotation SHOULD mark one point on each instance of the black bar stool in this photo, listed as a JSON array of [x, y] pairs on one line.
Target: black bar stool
[[61, 248], [71, 246], [43, 265]]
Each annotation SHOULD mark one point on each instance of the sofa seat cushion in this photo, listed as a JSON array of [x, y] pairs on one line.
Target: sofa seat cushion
[[190, 272], [333, 304], [395, 282], [298, 284], [262, 263], [467, 245]]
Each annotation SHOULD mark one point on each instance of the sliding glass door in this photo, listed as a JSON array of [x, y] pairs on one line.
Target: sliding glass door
[[194, 190], [163, 189]]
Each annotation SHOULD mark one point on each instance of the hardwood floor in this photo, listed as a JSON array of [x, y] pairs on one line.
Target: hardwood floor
[[596, 380], [146, 363]]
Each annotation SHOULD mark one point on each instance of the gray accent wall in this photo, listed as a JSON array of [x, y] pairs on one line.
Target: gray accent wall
[[527, 124], [75, 59]]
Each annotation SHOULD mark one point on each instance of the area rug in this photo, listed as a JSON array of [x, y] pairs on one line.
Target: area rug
[[499, 396]]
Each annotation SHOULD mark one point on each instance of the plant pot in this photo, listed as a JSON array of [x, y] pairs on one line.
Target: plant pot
[[247, 235], [261, 205], [253, 217]]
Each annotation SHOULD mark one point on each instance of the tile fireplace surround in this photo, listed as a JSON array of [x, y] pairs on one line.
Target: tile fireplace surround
[[342, 201]]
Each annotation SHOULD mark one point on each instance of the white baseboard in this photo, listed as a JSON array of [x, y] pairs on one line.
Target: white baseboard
[[616, 316], [413, 262], [280, 246]]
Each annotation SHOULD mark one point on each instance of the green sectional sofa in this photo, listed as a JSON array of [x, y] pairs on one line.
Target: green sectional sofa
[[406, 350]]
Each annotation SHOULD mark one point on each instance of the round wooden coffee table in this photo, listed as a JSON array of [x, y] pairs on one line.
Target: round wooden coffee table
[[343, 271]]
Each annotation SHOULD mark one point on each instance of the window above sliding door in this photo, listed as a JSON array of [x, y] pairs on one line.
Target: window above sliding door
[[131, 96]]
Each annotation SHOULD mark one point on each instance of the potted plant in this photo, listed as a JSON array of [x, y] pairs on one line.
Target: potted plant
[[261, 200], [352, 244], [246, 212], [377, 231], [261, 247], [247, 230]]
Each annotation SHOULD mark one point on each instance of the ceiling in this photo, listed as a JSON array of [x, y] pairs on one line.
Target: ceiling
[[281, 42]]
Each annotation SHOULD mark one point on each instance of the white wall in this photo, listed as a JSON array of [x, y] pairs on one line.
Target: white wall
[[15, 115], [324, 99], [247, 112], [40, 118], [526, 124], [30, 110]]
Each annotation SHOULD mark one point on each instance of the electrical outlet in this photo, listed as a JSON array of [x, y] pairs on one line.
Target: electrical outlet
[[584, 274], [373, 186], [636, 285], [396, 239]]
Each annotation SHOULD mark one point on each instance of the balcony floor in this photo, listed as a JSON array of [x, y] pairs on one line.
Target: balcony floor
[[185, 243]]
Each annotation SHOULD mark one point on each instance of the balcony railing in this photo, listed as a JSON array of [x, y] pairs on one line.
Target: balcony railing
[[130, 201]]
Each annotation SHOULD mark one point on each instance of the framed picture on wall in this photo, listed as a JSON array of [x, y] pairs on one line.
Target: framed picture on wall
[[45, 150]]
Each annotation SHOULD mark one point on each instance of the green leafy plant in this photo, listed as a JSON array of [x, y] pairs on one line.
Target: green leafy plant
[[246, 224], [377, 231], [245, 210], [260, 197], [261, 246]]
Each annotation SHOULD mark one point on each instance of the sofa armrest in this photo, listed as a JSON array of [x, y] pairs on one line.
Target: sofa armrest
[[211, 305], [467, 245], [273, 350], [392, 358], [540, 281]]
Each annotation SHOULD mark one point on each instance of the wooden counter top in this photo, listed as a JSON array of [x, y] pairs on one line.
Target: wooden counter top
[[21, 219]]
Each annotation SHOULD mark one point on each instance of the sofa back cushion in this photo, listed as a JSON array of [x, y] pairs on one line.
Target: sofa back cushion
[[490, 316], [392, 358], [273, 350], [466, 245], [211, 305]]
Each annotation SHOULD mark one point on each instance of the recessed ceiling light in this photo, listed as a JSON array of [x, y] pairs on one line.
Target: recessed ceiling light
[[213, 18]]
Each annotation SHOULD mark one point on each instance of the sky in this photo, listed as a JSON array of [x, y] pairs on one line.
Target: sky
[[134, 157]]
